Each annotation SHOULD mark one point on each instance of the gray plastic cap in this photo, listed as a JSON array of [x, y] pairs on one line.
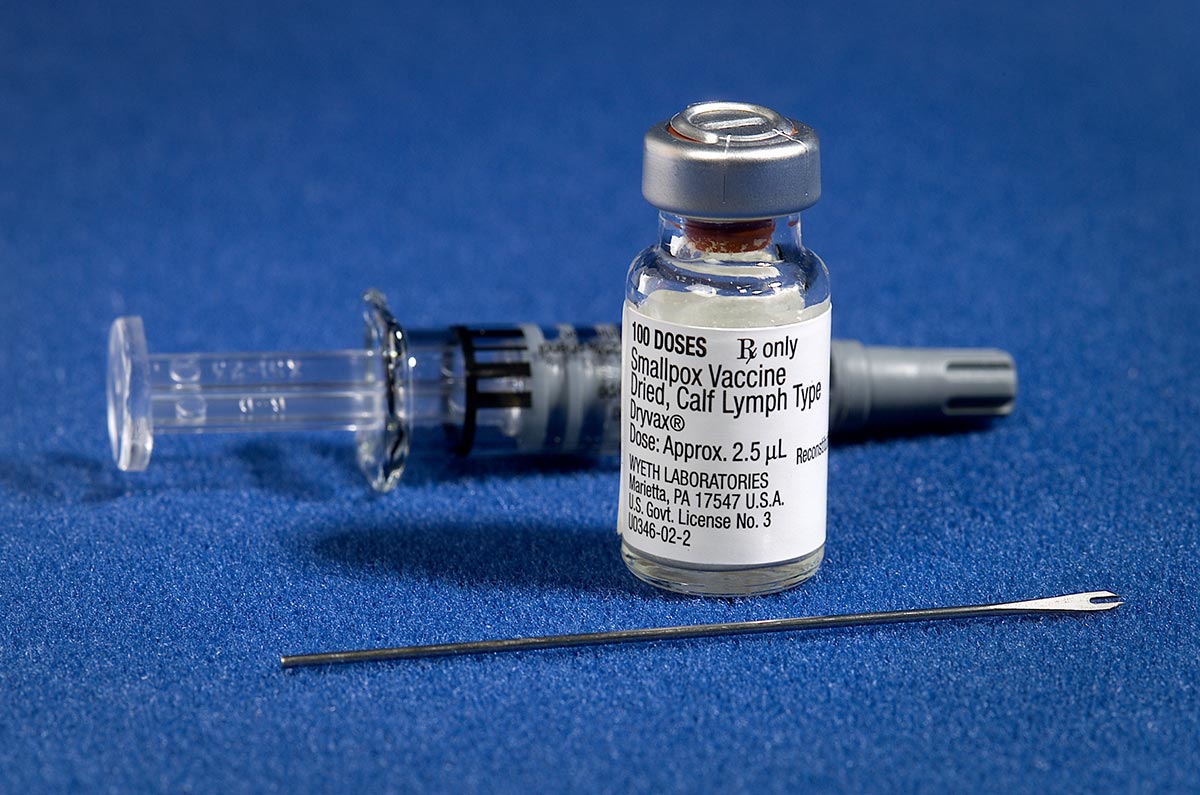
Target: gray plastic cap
[[727, 161], [880, 387]]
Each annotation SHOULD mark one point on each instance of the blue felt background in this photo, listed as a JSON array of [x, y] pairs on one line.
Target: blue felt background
[[1023, 177]]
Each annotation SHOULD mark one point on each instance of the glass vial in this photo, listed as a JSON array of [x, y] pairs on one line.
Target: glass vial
[[725, 360]]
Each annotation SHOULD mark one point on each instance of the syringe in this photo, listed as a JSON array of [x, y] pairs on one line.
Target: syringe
[[485, 390]]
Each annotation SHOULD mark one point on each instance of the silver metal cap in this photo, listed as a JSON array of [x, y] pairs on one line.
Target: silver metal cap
[[731, 161]]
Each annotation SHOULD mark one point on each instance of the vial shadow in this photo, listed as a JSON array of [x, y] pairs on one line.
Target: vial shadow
[[494, 553]]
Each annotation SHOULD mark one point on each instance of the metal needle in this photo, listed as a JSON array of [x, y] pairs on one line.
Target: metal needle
[[1071, 603]]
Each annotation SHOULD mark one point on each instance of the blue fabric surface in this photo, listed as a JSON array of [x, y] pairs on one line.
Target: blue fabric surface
[[1018, 177]]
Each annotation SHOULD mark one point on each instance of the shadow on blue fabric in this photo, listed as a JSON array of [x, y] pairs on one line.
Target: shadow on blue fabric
[[495, 555]]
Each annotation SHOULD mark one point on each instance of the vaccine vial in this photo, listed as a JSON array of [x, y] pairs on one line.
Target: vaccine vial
[[725, 359]]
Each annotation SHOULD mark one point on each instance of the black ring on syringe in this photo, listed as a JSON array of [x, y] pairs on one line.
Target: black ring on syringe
[[473, 342]]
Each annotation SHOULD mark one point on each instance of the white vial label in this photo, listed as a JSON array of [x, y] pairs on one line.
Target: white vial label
[[724, 440]]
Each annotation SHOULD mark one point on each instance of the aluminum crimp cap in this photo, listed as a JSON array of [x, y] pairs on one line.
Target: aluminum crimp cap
[[731, 161]]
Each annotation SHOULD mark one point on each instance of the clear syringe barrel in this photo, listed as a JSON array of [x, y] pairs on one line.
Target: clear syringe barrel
[[233, 392], [463, 390]]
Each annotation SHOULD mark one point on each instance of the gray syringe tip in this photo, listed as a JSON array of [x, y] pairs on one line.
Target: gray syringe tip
[[883, 387]]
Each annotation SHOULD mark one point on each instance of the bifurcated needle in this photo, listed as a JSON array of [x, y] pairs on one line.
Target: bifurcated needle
[[1068, 604]]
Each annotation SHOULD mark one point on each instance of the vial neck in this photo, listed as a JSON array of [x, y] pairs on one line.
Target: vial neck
[[693, 238]]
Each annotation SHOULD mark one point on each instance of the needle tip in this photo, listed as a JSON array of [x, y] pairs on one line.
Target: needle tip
[[1104, 605]]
